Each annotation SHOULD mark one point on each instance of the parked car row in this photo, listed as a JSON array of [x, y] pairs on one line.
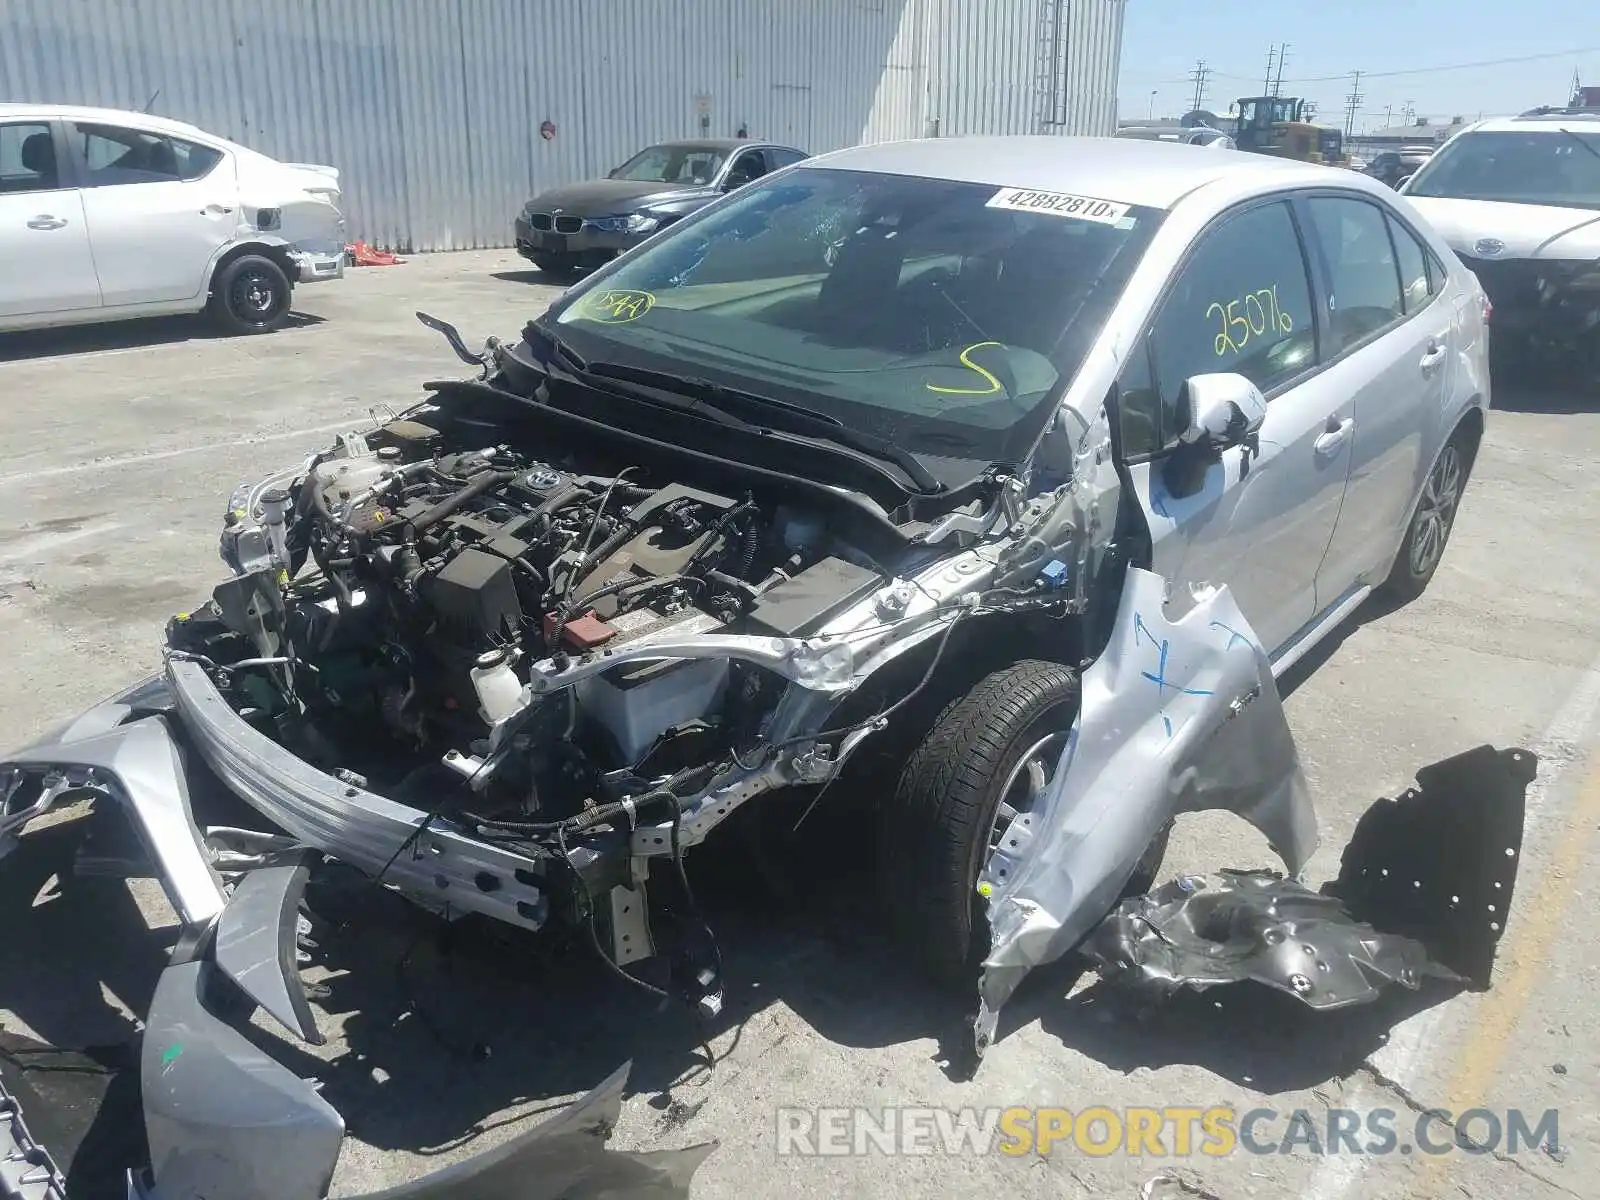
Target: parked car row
[[106, 215]]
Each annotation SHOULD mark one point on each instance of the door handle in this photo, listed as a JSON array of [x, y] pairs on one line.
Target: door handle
[[1333, 435], [1434, 355], [215, 210], [46, 221]]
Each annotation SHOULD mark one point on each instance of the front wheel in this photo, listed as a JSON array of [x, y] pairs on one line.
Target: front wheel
[[987, 763], [250, 295]]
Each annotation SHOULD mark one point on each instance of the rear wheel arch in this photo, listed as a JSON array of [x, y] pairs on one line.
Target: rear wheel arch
[[1471, 427], [277, 252]]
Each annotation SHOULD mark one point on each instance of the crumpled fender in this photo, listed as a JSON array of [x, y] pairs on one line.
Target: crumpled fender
[[1176, 716]]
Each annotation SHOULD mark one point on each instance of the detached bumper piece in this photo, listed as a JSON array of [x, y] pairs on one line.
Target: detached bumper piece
[[1423, 889], [27, 1171], [224, 1121]]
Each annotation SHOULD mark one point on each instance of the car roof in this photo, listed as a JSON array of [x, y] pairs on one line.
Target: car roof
[[103, 116], [1128, 170], [722, 145], [1538, 121]]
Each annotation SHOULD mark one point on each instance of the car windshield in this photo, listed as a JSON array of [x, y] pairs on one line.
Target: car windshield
[[938, 314], [1545, 166], [672, 164]]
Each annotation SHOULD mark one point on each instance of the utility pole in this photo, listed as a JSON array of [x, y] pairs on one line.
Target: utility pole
[[1388, 116], [1352, 104], [1411, 112], [1201, 76], [1283, 55], [1266, 83]]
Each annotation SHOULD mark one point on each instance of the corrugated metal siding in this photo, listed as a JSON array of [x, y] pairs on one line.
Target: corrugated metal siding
[[431, 108]]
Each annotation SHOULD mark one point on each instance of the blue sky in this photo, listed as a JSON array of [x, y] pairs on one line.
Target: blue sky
[[1163, 39]]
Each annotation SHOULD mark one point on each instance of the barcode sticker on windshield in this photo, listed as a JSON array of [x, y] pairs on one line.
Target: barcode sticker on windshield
[[1085, 208]]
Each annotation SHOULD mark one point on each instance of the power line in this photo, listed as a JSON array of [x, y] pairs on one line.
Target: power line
[[1434, 70]]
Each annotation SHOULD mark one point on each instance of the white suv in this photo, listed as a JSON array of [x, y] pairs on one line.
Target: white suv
[[106, 215]]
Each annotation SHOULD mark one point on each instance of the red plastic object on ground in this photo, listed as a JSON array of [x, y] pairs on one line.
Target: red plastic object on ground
[[363, 255]]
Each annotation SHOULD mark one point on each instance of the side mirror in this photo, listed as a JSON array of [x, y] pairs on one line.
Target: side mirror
[[1223, 410], [1220, 411]]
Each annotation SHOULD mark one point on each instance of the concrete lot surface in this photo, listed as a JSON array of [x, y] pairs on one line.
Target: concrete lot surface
[[121, 446]]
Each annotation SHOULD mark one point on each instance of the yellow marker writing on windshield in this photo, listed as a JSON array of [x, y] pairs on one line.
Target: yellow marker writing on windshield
[[618, 306], [993, 384]]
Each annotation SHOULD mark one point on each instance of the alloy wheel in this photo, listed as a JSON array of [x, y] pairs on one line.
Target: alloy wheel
[[1436, 511]]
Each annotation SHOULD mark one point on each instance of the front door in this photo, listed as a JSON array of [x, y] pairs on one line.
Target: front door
[[159, 210], [45, 262], [1259, 520]]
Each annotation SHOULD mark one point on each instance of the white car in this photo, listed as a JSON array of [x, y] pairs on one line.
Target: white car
[[107, 215], [1518, 200]]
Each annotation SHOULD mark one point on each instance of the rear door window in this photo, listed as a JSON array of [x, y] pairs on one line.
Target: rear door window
[[1364, 279], [1412, 258], [114, 155]]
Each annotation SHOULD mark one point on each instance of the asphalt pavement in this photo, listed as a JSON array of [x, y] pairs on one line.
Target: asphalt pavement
[[120, 448]]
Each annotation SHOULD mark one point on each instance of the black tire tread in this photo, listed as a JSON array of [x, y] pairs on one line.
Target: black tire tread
[[936, 825]]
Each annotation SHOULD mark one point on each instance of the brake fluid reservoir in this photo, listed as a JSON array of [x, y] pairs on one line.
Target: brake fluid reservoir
[[499, 690]]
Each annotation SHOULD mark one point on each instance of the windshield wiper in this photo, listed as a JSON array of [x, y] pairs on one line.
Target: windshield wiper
[[794, 418], [1581, 140], [673, 398]]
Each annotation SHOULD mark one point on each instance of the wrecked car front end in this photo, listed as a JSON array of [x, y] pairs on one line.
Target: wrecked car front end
[[221, 1116], [507, 687]]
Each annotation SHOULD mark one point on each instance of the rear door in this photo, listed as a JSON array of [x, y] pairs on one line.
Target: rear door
[[1389, 347], [1243, 302], [45, 262], [159, 209]]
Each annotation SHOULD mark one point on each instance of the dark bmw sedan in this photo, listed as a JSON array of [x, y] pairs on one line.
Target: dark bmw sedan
[[585, 224]]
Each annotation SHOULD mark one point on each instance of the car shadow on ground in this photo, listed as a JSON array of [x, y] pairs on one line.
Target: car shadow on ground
[[536, 276], [124, 335]]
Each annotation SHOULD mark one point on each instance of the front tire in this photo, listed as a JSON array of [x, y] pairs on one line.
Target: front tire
[[1431, 523], [996, 745], [250, 295]]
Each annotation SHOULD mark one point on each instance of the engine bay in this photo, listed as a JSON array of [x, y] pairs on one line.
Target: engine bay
[[388, 597]]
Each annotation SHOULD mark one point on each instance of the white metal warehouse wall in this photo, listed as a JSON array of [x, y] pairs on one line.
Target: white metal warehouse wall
[[431, 108]]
